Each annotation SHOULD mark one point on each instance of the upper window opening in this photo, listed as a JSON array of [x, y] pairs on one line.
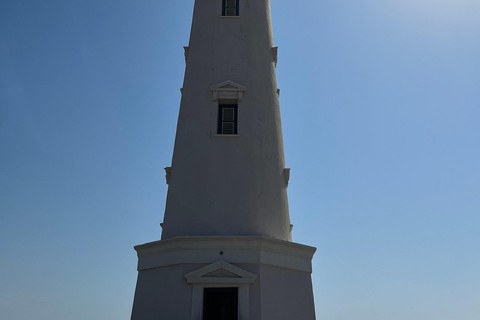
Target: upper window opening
[[230, 8], [227, 119]]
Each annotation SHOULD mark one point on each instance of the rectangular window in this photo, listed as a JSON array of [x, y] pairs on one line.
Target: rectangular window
[[230, 8], [220, 304], [227, 119]]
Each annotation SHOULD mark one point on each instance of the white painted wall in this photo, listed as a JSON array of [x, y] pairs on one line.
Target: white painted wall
[[281, 290], [227, 197], [219, 185], [162, 293], [279, 294]]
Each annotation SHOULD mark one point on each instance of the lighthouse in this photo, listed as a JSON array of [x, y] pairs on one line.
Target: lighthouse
[[226, 250]]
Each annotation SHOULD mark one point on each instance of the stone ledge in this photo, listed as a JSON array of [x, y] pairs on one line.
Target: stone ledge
[[234, 249]]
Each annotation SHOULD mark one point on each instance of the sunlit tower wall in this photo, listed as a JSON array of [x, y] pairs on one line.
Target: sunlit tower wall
[[225, 250]]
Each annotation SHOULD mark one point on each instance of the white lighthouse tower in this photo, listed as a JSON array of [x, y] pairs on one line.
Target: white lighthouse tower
[[226, 252]]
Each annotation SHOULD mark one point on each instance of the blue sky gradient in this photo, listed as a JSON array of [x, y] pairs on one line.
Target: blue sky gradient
[[381, 118]]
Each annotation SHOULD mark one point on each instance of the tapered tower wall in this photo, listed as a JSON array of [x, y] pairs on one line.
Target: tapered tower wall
[[226, 223], [229, 184]]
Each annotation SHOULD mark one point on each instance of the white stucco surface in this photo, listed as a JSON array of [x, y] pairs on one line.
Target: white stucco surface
[[273, 277], [219, 185], [226, 220]]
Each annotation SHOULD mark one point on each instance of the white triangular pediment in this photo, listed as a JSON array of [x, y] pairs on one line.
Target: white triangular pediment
[[228, 85], [220, 272], [228, 90]]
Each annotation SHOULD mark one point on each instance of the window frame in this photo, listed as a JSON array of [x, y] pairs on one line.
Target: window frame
[[220, 121], [224, 9]]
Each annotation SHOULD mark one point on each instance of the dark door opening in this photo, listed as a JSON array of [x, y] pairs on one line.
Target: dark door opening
[[220, 304]]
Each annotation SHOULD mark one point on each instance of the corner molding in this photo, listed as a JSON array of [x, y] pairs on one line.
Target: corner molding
[[275, 55], [168, 172], [286, 175], [228, 90], [185, 52]]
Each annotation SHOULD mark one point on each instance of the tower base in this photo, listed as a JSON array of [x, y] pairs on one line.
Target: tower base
[[241, 277]]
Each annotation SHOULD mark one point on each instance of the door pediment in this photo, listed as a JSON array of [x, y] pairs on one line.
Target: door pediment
[[220, 272]]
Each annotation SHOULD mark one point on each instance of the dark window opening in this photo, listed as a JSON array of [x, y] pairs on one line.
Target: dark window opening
[[227, 119], [230, 8], [220, 304]]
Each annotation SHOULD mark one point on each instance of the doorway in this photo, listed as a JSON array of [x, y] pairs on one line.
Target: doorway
[[220, 304]]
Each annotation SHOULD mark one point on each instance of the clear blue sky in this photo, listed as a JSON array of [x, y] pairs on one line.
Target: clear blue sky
[[381, 116]]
